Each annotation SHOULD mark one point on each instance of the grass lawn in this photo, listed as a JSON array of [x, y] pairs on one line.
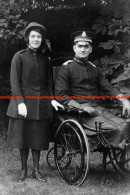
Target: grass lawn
[[98, 182]]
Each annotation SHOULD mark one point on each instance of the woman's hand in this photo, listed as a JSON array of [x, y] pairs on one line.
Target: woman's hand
[[56, 104], [22, 110]]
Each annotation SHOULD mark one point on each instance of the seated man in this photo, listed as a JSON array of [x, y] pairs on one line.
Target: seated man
[[81, 78]]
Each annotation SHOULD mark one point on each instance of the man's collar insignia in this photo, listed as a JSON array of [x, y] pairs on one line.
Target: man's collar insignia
[[84, 34]]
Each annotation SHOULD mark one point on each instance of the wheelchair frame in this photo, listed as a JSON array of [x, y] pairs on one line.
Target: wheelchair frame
[[71, 153]]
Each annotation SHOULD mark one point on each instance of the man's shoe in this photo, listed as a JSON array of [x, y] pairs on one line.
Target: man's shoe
[[37, 175], [22, 176]]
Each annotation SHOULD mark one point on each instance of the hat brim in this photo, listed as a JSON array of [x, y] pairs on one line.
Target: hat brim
[[76, 36], [82, 39], [42, 29]]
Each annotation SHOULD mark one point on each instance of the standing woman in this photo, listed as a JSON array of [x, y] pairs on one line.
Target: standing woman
[[29, 112]]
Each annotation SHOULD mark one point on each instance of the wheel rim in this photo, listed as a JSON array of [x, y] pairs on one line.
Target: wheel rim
[[69, 136]]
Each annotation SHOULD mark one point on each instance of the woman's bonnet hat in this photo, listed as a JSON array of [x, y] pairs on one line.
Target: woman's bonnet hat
[[35, 25]]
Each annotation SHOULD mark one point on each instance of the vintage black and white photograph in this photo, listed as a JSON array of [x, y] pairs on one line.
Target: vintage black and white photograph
[[65, 97]]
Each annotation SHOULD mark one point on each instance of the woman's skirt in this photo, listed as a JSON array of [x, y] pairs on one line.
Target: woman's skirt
[[32, 134]]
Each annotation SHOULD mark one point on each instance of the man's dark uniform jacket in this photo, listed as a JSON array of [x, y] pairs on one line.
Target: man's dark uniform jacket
[[84, 79]]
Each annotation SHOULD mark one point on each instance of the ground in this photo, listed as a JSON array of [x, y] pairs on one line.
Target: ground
[[98, 182]]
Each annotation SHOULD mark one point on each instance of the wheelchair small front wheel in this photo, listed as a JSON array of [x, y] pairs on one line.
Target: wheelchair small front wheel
[[50, 158], [122, 158]]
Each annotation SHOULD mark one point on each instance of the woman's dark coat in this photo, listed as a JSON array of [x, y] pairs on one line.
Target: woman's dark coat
[[31, 83]]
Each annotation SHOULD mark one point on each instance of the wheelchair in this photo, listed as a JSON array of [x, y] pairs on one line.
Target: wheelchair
[[70, 152]]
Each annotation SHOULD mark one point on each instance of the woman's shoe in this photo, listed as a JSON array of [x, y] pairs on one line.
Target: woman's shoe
[[37, 175], [22, 176]]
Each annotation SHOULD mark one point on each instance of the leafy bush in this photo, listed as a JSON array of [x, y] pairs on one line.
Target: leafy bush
[[113, 25], [11, 37]]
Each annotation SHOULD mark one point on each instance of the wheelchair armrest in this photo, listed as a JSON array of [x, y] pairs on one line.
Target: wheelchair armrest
[[75, 110], [71, 110], [113, 104]]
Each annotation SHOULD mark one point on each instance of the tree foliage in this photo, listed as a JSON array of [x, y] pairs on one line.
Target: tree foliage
[[11, 36], [11, 23], [113, 25]]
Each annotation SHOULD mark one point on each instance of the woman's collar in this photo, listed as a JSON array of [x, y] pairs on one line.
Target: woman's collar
[[34, 51]]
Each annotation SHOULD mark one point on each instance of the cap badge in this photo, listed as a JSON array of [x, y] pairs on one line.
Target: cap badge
[[83, 34]]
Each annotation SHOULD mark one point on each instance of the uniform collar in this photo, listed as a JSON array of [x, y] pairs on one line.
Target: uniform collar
[[81, 61], [31, 50]]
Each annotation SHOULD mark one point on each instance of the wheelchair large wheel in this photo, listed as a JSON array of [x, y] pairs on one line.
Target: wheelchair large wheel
[[71, 136], [122, 158]]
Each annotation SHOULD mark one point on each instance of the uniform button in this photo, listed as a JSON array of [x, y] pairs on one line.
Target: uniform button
[[38, 87]]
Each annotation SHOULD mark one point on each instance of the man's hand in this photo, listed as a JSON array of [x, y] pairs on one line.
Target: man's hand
[[87, 108], [56, 104], [90, 110], [22, 110], [126, 108]]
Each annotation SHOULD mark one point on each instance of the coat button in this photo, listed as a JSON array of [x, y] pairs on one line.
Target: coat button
[[38, 87]]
